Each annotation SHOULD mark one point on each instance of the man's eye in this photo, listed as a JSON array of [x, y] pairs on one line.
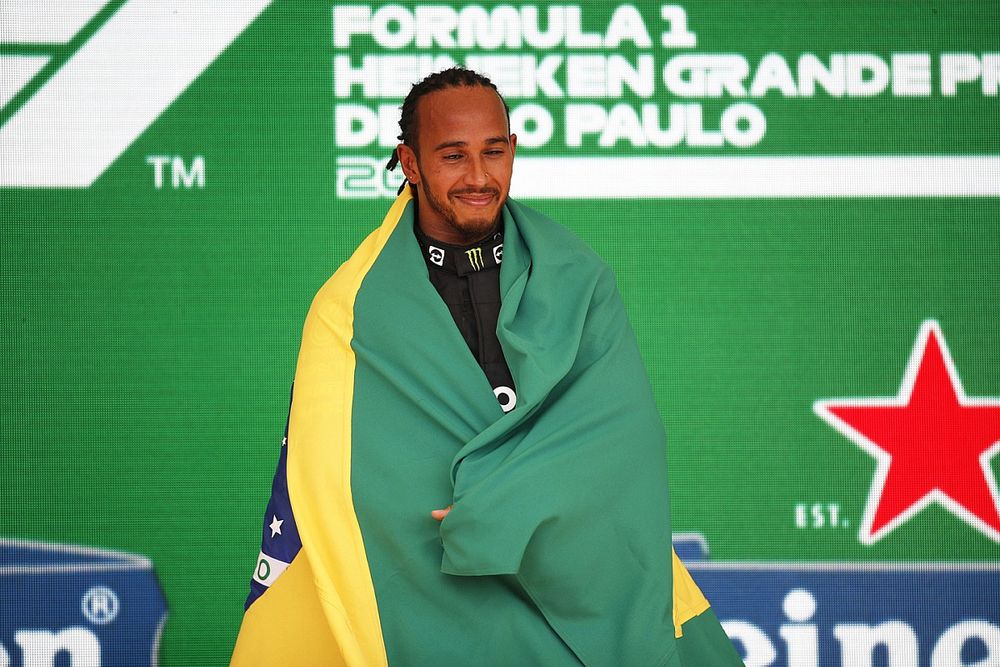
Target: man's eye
[[495, 151], [453, 156]]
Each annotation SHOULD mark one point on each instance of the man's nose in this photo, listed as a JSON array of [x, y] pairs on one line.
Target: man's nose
[[476, 174]]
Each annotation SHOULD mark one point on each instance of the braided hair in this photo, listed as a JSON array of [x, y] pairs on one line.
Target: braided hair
[[453, 77]]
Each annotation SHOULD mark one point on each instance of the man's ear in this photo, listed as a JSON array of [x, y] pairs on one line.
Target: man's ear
[[408, 160], [513, 144]]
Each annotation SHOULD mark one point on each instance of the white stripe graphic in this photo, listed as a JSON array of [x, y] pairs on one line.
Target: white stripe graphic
[[114, 87], [268, 569], [751, 177], [16, 72], [44, 21]]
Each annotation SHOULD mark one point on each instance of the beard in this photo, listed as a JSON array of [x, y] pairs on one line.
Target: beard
[[469, 228]]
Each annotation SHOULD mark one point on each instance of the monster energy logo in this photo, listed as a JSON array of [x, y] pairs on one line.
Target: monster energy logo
[[475, 258]]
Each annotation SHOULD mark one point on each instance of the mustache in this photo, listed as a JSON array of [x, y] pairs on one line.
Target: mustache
[[474, 191]]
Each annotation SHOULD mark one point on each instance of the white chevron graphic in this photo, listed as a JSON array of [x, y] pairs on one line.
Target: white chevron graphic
[[113, 87], [16, 72], [45, 21]]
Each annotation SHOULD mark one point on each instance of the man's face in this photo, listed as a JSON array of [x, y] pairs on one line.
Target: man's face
[[466, 157]]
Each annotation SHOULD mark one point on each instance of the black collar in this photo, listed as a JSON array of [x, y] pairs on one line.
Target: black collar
[[462, 260]]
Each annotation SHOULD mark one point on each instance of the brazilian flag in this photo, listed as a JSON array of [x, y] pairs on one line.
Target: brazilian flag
[[557, 550]]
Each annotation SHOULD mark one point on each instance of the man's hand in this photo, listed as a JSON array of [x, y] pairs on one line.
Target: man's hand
[[441, 514]]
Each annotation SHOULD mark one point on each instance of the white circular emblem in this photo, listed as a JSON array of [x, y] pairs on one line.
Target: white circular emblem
[[99, 605], [507, 398], [436, 255]]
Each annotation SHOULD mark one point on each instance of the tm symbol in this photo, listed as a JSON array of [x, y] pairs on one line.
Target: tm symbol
[[182, 174]]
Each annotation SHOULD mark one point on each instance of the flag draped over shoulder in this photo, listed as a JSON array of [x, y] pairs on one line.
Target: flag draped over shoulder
[[557, 549]]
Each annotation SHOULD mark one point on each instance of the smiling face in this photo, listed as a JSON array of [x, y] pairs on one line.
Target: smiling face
[[463, 162]]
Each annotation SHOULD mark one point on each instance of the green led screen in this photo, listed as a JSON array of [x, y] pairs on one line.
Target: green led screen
[[800, 201]]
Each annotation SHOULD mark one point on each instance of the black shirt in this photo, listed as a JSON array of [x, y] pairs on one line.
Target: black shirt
[[468, 280]]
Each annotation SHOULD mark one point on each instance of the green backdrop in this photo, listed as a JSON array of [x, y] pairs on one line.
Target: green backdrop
[[150, 332]]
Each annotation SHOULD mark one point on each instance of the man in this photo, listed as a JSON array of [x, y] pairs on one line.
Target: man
[[474, 458]]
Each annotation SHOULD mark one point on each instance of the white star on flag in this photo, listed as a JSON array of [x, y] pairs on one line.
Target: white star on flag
[[276, 525]]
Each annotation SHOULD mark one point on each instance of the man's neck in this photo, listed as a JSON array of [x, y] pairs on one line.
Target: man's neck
[[463, 243], [454, 240]]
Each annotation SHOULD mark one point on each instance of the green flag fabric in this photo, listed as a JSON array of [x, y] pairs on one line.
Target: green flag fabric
[[558, 546]]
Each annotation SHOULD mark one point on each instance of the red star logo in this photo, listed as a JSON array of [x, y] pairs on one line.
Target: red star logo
[[932, 443]]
